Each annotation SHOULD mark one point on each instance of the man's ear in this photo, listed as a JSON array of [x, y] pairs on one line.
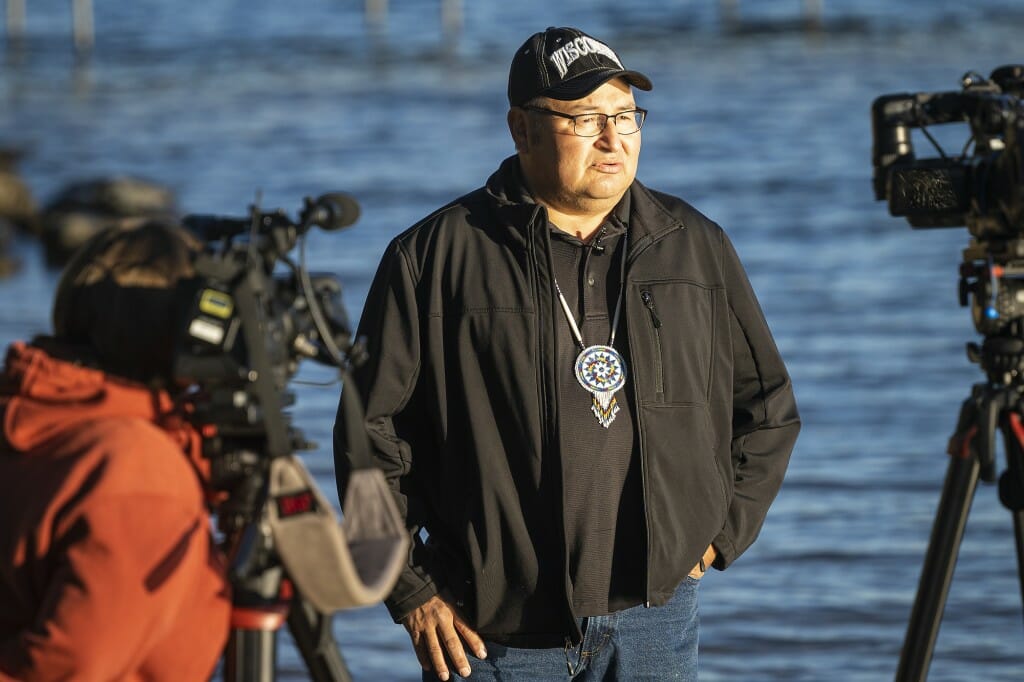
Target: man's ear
[[517, 126]]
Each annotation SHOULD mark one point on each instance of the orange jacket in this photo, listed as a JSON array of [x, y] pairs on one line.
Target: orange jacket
[[107, 570]]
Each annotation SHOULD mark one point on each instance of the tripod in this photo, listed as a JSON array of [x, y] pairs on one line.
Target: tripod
[[292, 562], [263, 599], [995, 404]]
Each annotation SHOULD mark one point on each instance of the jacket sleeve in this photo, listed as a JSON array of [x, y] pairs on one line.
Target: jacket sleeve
[[765, 420], [128, 565], [386, 380]]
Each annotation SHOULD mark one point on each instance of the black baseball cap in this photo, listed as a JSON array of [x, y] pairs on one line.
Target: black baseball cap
[[566, 64]]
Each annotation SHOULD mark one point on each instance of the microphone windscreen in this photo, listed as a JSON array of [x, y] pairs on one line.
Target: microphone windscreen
[[334, 211]]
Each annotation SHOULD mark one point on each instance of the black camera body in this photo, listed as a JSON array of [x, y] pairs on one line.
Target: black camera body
[[983, 191], [253, 316]]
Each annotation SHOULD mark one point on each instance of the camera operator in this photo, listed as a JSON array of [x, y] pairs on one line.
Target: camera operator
[[107, 566]]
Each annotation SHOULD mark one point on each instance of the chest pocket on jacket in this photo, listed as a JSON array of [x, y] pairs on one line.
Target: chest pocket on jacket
[[677, 338]]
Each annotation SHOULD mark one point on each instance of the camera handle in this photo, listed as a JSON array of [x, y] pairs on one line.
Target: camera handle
[[972, 457]]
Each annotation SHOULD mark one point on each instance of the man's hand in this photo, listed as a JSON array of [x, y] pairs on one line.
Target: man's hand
[[709, 557], [435, 630]]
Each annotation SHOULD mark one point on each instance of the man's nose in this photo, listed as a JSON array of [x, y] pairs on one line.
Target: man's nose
[[610, 137]]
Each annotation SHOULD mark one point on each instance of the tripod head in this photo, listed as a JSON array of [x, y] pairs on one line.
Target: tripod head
[[992, 285]]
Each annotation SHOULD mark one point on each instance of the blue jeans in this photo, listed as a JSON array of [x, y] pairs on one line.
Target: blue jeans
[[639, 643]]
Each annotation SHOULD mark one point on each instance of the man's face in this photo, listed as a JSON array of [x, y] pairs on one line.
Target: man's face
[[573, 174]]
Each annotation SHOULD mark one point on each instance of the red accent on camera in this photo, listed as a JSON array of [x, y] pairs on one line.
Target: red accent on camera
[[302, 502]]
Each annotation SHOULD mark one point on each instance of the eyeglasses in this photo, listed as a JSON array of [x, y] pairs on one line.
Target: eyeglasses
[[592, 124]]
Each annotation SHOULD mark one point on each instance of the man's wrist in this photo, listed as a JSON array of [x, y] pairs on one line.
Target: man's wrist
[[400, 609], [708, 558]]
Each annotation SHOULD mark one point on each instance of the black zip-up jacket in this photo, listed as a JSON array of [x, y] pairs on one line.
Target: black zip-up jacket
[[461, 405]]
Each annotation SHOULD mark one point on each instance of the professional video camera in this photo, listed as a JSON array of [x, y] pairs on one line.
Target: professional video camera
[[983, 191], [247, 331]]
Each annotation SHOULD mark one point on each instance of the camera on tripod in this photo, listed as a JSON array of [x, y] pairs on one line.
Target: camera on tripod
[[984, 191], [254, 314]]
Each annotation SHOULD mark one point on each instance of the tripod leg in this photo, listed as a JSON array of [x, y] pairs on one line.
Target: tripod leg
[[251, 652], [1018, 532], [311, 631], [1011, 488], [251, 655], [258, 612], [937, 573]]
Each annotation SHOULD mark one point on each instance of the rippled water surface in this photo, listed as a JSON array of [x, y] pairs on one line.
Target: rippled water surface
[[765, 128]]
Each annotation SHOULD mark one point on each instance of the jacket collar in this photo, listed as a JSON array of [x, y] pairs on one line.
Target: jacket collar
[[649, 219], [507, 189]]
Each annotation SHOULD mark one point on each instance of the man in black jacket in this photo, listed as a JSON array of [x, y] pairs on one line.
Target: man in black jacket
[[572, 389]]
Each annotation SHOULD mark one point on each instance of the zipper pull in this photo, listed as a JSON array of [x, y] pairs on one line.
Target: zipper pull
[[648, 300]]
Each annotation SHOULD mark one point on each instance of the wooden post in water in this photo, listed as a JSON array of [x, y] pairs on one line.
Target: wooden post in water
[[451, 17], [730, 13], [82, 25], [813, 20], [15, 21], [376, 12]]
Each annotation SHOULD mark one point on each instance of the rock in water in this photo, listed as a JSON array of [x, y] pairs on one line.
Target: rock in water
[[17, 206], [82, 209]]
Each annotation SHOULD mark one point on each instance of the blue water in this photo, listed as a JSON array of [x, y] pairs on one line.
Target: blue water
[[766, 130]]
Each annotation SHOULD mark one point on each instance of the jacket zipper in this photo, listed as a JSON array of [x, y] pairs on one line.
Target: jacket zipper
[[648, 298], [638, 419]]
